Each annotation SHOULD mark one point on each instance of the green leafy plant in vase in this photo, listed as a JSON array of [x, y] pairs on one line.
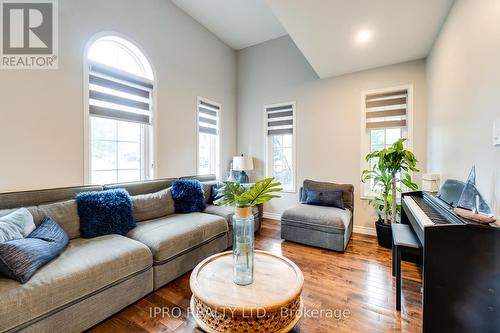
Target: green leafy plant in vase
[[391, 166], [243, 199]]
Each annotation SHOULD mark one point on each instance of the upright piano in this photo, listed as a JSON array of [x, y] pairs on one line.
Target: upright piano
[[461, 265]]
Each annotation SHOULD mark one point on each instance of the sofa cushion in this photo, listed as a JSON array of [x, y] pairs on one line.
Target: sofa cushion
[[64, 213], [328, 219], [39, 197], [172, 235], [105, 212], [153, 205], [21, 258], [188, 196], [143, 186], [85, 267], [227, 213], [16, 225]]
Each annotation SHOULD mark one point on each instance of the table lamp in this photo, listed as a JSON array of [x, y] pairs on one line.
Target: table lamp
[[242, 164]]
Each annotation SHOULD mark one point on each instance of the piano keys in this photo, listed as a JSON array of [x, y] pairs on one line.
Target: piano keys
[[461, 266]]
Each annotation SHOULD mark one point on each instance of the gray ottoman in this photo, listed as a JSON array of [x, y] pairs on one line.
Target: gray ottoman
[[325, 227]]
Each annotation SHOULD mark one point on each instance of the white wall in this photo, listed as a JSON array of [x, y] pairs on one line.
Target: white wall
[[41, 112], [463, 73], [328, 114]]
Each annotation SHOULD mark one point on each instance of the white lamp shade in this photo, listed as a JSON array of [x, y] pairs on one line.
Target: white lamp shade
[[431, 182], [242, 163]]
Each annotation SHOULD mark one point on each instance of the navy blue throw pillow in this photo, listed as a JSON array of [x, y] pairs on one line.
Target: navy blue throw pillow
[[105, 213], [325, 198], [188, 196], [21, 258]]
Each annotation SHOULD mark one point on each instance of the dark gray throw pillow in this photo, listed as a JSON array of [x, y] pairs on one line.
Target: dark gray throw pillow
[[214, 192], [21, 258], [325, 198]]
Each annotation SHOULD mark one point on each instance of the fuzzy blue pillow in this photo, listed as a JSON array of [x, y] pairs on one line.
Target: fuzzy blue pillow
[[188, 196], [105, 213], [21, 258]]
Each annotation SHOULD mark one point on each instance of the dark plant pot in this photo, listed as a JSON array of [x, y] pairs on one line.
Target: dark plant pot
[[384, 234]]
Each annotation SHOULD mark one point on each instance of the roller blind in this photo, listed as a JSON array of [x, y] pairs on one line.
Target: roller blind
[[208, 117], [119, 95], [386, 110], [280, 119]]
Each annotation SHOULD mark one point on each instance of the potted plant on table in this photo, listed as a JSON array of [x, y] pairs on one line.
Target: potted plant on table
[[243, 199], [392, 168]]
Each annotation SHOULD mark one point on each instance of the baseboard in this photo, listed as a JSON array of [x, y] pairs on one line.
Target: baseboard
[[271, 216], [364, 230]]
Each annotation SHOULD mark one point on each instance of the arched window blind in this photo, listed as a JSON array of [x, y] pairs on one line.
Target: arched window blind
[[118, 94]]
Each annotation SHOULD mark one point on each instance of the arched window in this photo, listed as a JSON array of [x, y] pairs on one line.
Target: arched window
[[120, 108]]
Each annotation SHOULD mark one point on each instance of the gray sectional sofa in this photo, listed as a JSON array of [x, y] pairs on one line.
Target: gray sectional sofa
[[95, 278]]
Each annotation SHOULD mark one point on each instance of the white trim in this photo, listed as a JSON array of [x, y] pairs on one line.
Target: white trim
[[365, 137], [218, 169], [364, 230], [294, 138], [86, 116], [271, 216]]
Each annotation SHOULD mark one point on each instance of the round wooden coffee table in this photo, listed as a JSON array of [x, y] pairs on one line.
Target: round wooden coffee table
[[272, 303]]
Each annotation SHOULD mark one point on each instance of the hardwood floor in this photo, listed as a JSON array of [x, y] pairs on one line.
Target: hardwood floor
[[355, 291]]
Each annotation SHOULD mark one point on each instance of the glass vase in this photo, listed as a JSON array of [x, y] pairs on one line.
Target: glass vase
[[243, 246]]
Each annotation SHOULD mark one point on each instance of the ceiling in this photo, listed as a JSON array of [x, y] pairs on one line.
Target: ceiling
[[325, 30], [238, 23]]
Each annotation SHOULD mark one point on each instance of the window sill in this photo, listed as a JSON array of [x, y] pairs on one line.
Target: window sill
[[368, 196]]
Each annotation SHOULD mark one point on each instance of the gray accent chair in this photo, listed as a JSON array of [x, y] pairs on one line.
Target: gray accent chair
[[95, 278], [325, 227]]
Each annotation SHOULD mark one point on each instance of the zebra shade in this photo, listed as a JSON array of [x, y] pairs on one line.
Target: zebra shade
[[208, 118], [119, 95], [386, 110], [280, 119]]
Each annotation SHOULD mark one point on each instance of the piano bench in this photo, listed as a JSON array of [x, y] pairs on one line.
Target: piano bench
[[402, 237]]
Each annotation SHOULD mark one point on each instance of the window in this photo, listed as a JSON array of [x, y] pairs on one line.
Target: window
[[208, 137], [280, 127], [120, 105], [386, 119]]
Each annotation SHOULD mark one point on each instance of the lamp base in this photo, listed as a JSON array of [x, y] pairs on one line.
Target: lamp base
[[243, 178]]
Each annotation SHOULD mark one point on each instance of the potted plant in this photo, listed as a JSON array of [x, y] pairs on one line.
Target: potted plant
[[243, 199], [392, 166]]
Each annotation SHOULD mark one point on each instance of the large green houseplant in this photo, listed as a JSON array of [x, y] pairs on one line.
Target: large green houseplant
[[243, 199], [391, 171]]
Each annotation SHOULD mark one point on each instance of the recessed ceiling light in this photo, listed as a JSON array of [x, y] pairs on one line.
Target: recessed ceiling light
[[364, 36]]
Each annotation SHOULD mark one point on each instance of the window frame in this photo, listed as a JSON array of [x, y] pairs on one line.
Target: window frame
[[145, 133], [218, 143], [366, 192], [267, 151], [149, 135]]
